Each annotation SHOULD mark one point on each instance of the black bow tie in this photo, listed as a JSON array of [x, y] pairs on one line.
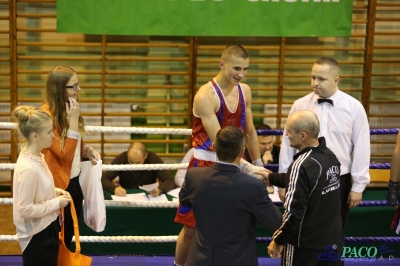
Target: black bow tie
[[323, 100]]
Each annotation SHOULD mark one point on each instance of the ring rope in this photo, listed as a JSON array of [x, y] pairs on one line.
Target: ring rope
[[183, 131], [165, 239], [137, 130], [148, 167], [174, 204], [275, 167], [109, 239], [122, 167], [378, 131], [368, 239]]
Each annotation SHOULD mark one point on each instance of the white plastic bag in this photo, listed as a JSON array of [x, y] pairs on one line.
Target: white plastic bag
[[94, 208]]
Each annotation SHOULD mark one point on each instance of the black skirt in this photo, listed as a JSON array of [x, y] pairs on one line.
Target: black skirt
[[43, 247]]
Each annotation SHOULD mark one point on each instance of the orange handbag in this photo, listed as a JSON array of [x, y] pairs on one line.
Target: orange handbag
[[65, 256]]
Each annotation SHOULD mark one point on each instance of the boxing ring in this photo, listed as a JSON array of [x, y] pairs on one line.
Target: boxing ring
[[143, 233]]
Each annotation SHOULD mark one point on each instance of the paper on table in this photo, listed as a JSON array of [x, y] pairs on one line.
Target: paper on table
[[131, 197], [149, 187], [274, 197], [174, 192], [175, 200], [162, 197]]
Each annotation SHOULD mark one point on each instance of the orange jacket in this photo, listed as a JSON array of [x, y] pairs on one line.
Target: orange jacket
[[60, 161]]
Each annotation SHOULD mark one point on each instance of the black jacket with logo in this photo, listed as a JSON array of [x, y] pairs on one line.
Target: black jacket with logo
[[312, 203]]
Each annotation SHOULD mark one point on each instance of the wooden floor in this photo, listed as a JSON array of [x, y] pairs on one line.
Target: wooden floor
[[7, 228]]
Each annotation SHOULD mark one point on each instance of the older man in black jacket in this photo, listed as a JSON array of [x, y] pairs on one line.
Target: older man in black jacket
[[311, 223]]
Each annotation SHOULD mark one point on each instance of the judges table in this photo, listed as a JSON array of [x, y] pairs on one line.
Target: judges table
[[135, 221]]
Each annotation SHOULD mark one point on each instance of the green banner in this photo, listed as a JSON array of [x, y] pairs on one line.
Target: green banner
[[206, 17]]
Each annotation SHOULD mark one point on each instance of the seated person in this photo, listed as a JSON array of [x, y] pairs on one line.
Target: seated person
[[180, 174], [137, 154], [269, 152]]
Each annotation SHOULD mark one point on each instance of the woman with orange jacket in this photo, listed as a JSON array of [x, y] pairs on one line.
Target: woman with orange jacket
[[68, 148]]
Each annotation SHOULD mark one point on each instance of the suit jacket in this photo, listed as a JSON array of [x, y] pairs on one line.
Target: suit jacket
[[226, 204]]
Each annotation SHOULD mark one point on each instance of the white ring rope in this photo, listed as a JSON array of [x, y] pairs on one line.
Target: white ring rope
[[8, 125], [137, 130], [140, 130], [137, 167], [109, 239], [125, 203], [7, 166], [122, 167], [117, 203]]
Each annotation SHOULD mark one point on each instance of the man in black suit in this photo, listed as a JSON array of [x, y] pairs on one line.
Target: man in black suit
[[226, 204]]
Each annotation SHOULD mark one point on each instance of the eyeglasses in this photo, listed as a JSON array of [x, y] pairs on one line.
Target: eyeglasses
[[73, 87]]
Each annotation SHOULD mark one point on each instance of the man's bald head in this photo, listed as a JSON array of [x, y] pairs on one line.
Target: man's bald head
[[137, 153], [302, 129], [305, 121]]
